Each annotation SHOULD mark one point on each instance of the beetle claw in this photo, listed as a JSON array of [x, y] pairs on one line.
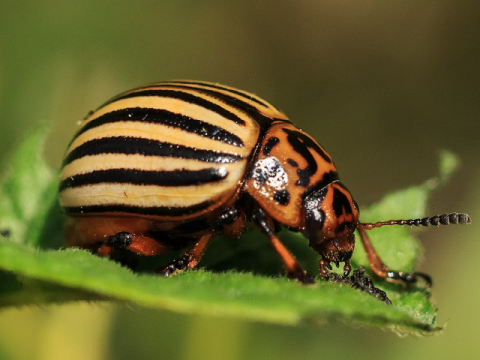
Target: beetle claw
[[409, 278], [347, 268]]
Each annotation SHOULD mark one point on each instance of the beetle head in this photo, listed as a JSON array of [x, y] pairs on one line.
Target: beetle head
[[331, 216]]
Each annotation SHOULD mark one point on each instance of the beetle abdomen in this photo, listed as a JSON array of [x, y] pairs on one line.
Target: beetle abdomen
[[168, 150]]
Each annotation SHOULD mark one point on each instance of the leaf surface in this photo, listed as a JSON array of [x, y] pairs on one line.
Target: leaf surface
[[240, 279]]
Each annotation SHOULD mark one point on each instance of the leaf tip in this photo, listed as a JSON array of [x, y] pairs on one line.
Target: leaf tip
[[449, 163]]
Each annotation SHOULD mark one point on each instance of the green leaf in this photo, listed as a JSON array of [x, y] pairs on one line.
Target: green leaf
[[28, 196], [238, 278]]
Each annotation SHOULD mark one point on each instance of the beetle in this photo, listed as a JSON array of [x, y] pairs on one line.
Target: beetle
[[167, 166]]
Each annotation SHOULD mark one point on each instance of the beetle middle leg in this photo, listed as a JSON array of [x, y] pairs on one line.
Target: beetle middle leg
[[381, 270], [292, 267], [231, 222], [190, 258]]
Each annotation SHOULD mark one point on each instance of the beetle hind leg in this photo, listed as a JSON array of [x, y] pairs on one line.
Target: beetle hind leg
[[135, 243]]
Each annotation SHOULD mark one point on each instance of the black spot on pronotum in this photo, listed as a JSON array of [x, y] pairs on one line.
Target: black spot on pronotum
[[281, 197], [327, 178], [270, 144], [302, 144], [292, 162]]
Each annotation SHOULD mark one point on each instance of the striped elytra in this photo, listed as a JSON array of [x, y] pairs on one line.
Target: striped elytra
[[169, 165]]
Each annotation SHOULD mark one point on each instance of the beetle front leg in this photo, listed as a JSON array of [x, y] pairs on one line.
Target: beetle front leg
[[381, 270], [292, 267]]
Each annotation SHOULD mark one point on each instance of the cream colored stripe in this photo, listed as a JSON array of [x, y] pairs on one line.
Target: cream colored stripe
[[159, 133], [181, 107], [241, 114], [136, 161], [147, 195]]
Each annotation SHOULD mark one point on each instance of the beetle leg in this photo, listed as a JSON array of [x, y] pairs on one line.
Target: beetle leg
[[139, 244], [324, 267], [231, 223], [292, 267], [381, 270], [228, 217], [188, 259]]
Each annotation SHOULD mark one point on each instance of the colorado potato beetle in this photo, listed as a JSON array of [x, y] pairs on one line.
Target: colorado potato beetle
[[167, 166]]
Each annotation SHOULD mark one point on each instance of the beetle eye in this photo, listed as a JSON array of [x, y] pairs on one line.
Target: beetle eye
[[314, 215]]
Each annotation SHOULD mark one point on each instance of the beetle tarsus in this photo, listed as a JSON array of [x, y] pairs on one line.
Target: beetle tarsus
[[188, 259], [409, 278], [427, 278], [324, 267], [347, 268], [364, 283], [177, 265], [360, 281]]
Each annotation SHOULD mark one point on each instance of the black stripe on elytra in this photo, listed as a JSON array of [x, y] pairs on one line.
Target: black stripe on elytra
[[264, 121], [147, 147], [140, 177], [152, 211], [301, 144], [168, 118], [341, 203], [184, 96], [216, 86]]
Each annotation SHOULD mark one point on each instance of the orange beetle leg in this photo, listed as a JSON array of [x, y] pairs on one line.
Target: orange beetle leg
[[190, 258], [381, 270], [293, 269], [138, 244]]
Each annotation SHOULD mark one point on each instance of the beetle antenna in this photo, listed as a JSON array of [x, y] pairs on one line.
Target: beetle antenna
[[445, 219]]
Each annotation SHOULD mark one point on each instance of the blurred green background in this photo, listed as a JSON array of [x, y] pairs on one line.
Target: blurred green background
[[384, 86]]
